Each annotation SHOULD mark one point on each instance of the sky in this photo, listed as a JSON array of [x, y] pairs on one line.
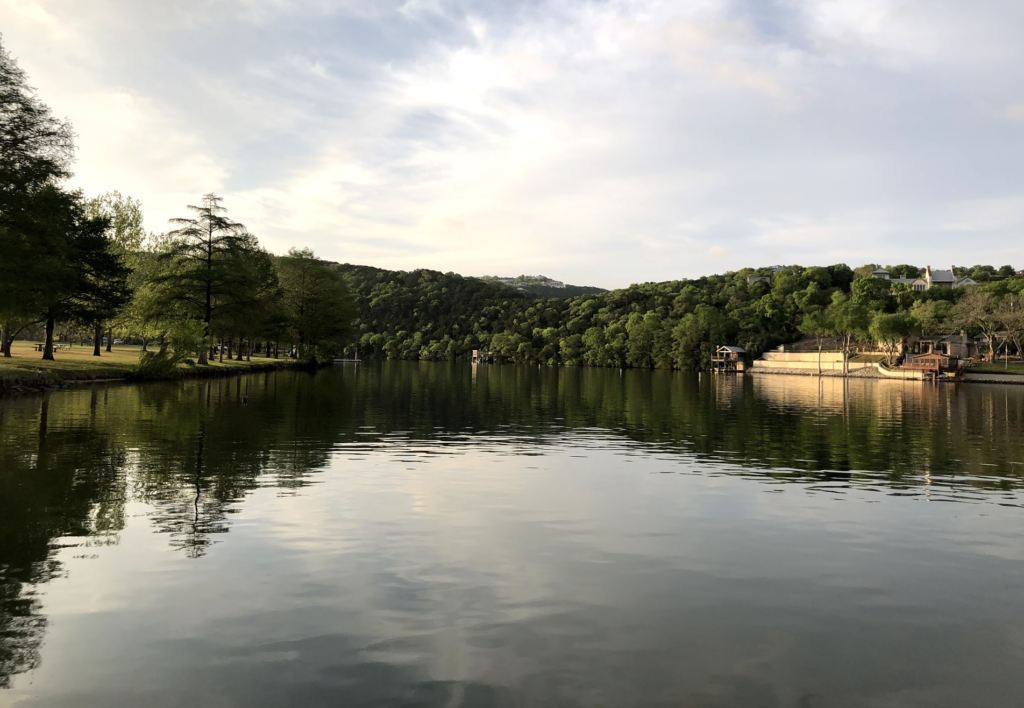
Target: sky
[[600, 143]]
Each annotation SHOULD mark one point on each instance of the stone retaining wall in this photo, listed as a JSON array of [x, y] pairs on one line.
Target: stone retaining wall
[[994, 378], [798, 365], [807, 363]]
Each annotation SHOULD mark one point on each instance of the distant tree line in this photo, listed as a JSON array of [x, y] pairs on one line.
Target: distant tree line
[[542, 286], [678, 324], [87, 266]]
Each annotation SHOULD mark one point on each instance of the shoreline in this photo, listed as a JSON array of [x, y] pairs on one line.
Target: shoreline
[[28, 384], [969, 377]]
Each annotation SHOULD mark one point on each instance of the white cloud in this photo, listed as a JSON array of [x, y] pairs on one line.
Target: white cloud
[[601, 143], [32, 11]]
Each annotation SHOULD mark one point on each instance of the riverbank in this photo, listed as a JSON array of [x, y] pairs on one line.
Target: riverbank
[[868, 366], [27, 372], [871, 366]]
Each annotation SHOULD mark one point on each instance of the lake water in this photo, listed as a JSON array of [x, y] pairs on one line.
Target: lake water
[[439, 535]]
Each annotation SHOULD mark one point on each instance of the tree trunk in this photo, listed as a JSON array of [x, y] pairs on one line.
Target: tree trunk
[[819, 357], [97, 337], [145, 345], [276, 345], [110, 339], [241, 342], [48, 347], [208, 311], [5, 340]]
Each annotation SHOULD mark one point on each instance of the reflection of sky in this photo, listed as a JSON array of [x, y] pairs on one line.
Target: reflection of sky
[[586, 575]]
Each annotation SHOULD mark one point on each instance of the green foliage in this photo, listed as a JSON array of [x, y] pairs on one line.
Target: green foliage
[[35, 157], [66, 261], [161, 364], [677, 324], [202, 266], [542, 286], [889, 331], [904, 270], [317, 305], [819, 325], [35, 148], [186, 336], [864, 271], [211, 274]]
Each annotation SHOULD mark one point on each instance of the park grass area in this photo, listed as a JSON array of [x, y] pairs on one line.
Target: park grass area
[[71, 364], [77, 363], [996, 368]]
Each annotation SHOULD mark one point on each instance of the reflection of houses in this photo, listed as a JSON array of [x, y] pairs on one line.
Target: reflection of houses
[[482, 357], [929, 279], [729, 359]]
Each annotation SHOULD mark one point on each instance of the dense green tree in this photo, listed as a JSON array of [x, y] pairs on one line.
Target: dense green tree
[[319, 306], [904, 270], [36, 150], [202, 264], [889, 330], [35, 147], [820, 326], [126, 235], [931, 316], [873, 293], [75, 275], [851, 319], [644, 325], [865, 271], [978, 310]]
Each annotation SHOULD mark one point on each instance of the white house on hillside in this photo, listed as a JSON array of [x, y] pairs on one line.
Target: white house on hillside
[[929, 279]]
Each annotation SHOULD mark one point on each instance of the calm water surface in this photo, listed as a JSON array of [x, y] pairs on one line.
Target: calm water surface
[[434, 535]]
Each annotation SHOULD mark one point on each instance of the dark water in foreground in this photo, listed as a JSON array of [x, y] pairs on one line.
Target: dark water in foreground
[[427, 535]]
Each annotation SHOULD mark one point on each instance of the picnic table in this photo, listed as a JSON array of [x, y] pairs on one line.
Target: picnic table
[[56, 347]]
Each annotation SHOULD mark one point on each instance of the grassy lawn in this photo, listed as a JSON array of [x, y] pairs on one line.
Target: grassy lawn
[[78, 363], [997, 368], [74, 363], [868, 358]]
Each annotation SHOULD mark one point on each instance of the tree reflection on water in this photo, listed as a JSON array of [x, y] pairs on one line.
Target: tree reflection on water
[[192, 452]]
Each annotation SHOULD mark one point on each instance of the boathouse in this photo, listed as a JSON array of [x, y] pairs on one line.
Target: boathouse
[[932, 363], [729, 360]]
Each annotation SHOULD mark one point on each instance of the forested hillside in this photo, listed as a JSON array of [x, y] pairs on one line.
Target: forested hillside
[[677, 324]]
